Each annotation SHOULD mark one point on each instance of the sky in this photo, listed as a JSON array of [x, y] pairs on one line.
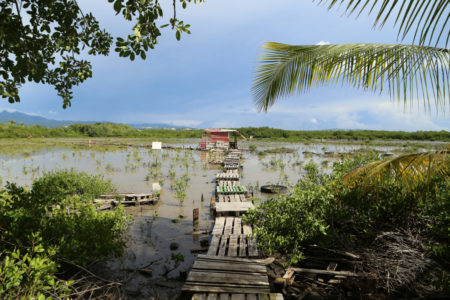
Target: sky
[[205, 79]]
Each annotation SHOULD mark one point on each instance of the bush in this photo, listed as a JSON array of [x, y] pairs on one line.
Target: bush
[[322, 203], [55, 187], [283, 225], [31, 274], [59, 208]]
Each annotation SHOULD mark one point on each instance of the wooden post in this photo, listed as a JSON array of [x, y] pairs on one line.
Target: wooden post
[[195, 219], [202, 198], [211, 206]]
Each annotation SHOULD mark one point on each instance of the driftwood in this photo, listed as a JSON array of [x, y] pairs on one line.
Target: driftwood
[[325, 272]]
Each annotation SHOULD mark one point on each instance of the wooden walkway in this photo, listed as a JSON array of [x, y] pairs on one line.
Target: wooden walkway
[[212, 274], [228, 271], [110, 201]]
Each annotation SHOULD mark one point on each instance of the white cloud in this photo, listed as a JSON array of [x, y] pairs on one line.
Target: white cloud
[[323, 43], [375, 113], [52, 112], [314, 120]]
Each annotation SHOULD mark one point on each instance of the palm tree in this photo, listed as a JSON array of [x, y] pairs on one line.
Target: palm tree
[[408, 72]]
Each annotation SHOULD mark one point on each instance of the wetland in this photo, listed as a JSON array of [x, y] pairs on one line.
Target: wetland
[[159, 238]]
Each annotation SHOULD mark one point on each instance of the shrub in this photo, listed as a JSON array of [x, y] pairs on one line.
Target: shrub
[[283, 225], [59, 208], [30, 274], [321, 203]]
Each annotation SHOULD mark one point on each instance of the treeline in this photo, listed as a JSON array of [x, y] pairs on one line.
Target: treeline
[[299, 135], [13, 130]]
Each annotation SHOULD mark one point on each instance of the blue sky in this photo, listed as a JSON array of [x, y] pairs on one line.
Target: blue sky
[[204, 80]]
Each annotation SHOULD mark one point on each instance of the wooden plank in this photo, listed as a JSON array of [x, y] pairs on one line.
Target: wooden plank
[[252, 247], [223, 296], [263, 297], [252, 297], [221, 278], [277, 296], [223, 246], [213, 247], [212, 296], [242, 198], [237, 228], [199, 296], [218, 226], [228, 225], [224, 266], [223, 207], [233, 246], [225, 289], [242, 245], [237, 296], [203, 257], [325, 272]]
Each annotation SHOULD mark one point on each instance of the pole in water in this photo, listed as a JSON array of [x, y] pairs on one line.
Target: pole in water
[[202, 198], [195, 218]]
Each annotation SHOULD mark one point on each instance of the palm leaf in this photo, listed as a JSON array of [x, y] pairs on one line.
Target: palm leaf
[[428, 19], [409, 170], [407, 72]]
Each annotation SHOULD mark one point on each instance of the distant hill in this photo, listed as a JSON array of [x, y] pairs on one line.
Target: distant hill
[[27, 119]]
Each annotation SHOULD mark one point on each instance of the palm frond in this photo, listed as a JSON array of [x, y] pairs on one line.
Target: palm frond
[[407, 72], [409, 170], [428, 19]]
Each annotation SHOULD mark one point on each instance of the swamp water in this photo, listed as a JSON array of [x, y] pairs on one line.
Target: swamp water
[[168, 224]]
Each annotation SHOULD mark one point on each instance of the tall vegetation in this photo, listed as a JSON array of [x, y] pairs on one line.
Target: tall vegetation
[[12, 130], [52, 223], [324, 208]]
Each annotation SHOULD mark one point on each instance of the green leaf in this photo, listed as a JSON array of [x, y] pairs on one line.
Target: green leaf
[[178, 35], [286, 69]]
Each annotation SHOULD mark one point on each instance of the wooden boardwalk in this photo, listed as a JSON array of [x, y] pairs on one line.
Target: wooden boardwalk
[[231, 237], [228, 271], [213, 274]]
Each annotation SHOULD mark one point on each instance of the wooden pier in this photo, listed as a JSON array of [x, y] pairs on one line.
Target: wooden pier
[[230, 270], [128, 199]]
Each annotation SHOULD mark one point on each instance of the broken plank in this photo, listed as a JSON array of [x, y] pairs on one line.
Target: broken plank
[[325, 272]]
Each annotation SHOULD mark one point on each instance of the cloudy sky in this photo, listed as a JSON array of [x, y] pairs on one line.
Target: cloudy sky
[[204, 80]]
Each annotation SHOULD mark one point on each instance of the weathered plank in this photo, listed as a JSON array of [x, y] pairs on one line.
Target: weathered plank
[[227, 275], [228, 226], [214, 245], [223, 246], [237, 228], [243, 246], [228, 296], [252, 247], [233, 246], [218, 226], [325, 272], [233, 207]]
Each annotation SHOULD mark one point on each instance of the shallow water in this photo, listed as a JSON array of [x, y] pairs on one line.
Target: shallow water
[[134, 169]]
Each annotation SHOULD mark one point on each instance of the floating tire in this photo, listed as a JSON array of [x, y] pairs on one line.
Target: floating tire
[[273, 189]]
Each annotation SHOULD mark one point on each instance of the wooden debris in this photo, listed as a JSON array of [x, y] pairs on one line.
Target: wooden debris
[[325, 272]]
